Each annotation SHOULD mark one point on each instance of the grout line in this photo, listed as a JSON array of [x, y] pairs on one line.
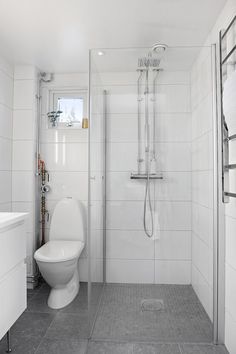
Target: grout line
[[180, 349]]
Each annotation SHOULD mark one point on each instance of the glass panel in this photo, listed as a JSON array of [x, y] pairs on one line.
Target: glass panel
[[159, 192], [96, 191]]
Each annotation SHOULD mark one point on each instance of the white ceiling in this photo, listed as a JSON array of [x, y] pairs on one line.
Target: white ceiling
[[56, 34]]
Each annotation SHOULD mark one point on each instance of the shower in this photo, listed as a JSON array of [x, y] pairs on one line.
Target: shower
[[148, 69]]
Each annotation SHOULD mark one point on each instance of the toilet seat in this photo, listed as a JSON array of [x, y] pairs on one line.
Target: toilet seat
[[59, 251]]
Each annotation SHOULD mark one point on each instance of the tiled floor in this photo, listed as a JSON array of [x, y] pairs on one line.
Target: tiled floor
[[121, 327], [121, 317]]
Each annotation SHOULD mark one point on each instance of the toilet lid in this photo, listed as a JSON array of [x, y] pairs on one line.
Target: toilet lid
[[59, 251]]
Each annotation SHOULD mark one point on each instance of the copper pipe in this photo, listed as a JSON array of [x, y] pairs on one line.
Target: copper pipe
[[43, 210]]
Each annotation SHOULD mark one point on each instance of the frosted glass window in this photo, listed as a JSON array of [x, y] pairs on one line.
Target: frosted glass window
[[72, 109]]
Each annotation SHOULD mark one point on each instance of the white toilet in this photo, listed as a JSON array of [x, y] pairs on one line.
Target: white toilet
[[58, 258]]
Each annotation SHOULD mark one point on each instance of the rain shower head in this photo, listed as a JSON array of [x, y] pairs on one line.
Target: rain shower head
[[159, 48], [152, 59], [148, 62]]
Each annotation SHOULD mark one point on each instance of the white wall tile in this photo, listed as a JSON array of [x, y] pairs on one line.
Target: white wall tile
[[122, 215], [23, 158], [202, 258], [23, 186], [128, 245], [230, 293], [202, 223], [68, 184], [172, 272], [6, 90], [230, 231], [5, 207], [230, 330], [130, 271], [5, 154], [26, 207], [24, 124], [171, 99], [203, 290], [5, 186], [5, 122], [24, 94], [6, 105], [130, 78], [173, 245], [62, 156], [170, 156]]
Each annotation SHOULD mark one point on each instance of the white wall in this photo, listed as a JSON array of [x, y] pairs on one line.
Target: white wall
[[24, 153], [131, 256], [6, 106], [65, 154], [202, 180], [228, 12]]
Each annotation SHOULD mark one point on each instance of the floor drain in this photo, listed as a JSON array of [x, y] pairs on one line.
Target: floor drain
[[152, 305]]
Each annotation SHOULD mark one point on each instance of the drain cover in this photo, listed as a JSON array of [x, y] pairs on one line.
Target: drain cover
[[152, 305]]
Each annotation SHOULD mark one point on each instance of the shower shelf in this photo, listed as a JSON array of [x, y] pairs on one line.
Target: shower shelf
[[144, 176]]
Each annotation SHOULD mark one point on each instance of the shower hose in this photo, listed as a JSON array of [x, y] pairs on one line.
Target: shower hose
[[148, 203]]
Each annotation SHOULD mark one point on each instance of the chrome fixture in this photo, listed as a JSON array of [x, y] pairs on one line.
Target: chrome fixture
[[227, 68], [159, 48], [45, 77], [148, 69], [53, 117]]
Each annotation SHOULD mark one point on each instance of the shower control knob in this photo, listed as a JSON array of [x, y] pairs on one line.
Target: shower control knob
[[45, 188]]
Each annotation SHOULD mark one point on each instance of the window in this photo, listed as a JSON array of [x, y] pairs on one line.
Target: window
[[73, 106], [72, 109]]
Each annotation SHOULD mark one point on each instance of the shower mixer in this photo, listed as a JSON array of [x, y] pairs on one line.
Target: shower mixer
[[148, 68]]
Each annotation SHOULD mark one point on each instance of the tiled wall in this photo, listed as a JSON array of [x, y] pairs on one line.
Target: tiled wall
[[6, 105], [222, 22], [131, 255], [202, 179], [24, 153], [65, 153]]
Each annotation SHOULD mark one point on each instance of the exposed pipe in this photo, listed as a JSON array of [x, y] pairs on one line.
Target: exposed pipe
[[139, 159], [147, 198], [44, 212]]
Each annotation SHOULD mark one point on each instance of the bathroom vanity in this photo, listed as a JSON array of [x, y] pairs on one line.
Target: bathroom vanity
[[12, 269]]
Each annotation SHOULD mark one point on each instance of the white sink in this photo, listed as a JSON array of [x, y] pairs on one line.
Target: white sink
[[7, 219]]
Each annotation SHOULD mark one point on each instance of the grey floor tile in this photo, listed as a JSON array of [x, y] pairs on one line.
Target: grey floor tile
[[156, 349], [109, 348], [21, 344], [43, 288], [38, 303], [70, 326], [203, 349], [62, 347], [80, 303], [120, 316], [32, 324]]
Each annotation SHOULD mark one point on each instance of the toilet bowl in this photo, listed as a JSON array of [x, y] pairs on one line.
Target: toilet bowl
[[58, 258]]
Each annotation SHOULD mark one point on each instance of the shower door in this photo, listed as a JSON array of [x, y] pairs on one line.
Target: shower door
[[96, 197], [159, 182]]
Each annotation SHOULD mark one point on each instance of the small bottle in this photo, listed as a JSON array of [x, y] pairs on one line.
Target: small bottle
[[85, 123]]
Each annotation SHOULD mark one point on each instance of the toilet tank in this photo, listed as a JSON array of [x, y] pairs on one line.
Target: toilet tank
[[68, 221]]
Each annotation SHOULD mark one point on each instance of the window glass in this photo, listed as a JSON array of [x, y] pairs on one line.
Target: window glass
[[72, 109]]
